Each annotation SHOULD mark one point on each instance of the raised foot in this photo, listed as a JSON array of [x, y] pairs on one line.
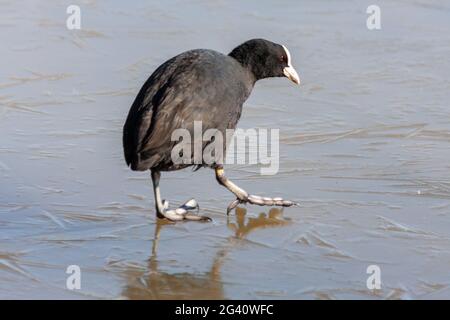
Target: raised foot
[[182, 212], [260, 201]]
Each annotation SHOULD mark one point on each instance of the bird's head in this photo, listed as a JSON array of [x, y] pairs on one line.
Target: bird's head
[[265, 59]]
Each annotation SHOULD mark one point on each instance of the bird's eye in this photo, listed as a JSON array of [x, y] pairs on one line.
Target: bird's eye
[[281, 58]]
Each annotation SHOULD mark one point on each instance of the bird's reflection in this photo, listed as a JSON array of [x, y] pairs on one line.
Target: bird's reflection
[[242, 228], [155, 284]]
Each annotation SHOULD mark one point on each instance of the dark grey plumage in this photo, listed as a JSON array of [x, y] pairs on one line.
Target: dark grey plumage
[[197, 85]]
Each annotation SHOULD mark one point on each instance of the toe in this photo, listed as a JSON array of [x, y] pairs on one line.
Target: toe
[[174, 215], [193, 217], [233, 205], [190, 205]]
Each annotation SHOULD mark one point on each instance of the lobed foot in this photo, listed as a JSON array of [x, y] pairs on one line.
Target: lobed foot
[[243, 197], [183, 212], [260, 201]]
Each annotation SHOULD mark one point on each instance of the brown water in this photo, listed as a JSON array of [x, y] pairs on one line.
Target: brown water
[[365, 146]]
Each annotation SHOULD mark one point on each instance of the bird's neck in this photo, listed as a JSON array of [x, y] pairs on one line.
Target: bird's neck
[[248, 62]]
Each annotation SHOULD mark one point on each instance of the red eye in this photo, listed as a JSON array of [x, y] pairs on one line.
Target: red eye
[[281, 58]]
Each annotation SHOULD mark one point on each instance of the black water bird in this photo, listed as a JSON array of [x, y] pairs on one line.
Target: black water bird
[[198, 85]]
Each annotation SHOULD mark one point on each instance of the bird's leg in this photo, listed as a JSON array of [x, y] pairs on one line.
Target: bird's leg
[[243, 197], [181, 213], [156, 175]]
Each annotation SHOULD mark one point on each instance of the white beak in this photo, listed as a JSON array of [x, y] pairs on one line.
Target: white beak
[[289, 71], [291, 74]]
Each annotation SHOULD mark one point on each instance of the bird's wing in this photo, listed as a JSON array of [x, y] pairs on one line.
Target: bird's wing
[[194, 86], [139, 117]]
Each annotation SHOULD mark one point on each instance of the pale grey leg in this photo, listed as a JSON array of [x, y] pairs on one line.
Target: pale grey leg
[[181, 213]]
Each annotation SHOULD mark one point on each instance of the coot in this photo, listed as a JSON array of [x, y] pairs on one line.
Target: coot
[[198, 85]]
